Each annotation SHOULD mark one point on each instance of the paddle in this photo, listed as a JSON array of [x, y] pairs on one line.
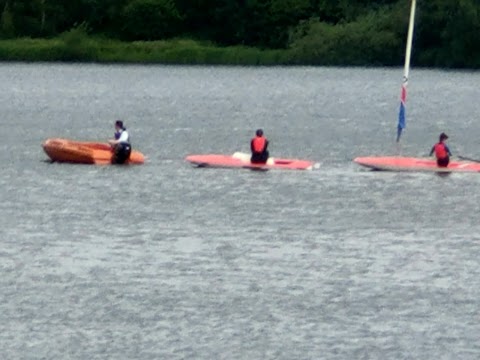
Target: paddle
[[468, 159]]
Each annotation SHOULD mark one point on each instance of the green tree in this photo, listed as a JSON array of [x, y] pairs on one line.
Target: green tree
[[461, 36], [365, 41], [222, 21], [150, 19], [104, 16], [448, 33], [6, 20], [285, 14]]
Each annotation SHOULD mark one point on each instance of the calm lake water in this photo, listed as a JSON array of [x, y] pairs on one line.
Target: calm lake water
[[166, 261]]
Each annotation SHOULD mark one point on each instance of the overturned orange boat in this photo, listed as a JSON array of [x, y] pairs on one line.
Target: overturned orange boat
[[84, 152]]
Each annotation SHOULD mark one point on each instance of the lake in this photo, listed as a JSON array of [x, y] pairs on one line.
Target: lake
[[167, 261]]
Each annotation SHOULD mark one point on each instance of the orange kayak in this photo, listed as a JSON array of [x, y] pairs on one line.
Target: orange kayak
[[399, 163], [242, 160], [84, 152]]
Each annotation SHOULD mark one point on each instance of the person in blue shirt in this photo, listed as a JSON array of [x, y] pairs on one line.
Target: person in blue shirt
[[441, 150], [120, 144]]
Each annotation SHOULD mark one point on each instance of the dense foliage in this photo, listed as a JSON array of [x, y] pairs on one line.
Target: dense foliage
[[349, 32]]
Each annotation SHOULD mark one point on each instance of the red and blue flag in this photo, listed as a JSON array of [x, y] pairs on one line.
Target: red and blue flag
[[401, 114]]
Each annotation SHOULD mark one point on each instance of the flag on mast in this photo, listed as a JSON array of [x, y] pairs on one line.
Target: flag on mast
[[408, 53], [401, 113]]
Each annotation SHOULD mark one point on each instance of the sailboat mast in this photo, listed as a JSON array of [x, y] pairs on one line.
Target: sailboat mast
[[409, 39], [408, 53]]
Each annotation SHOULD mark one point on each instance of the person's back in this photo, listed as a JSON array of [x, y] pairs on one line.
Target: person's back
[[258, 146], [442, 152]]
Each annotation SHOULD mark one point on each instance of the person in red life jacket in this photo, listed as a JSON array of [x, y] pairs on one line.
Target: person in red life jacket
[[442, 152], [259, 145]]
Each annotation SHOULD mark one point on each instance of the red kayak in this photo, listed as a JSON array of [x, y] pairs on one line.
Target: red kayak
[[242, 160], [398, 163]]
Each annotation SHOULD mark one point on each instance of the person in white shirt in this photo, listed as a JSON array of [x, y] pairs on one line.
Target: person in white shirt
[[120, 144]]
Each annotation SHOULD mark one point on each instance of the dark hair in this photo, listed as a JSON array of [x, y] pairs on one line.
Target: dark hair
[[119, 123], [259, 132], [443, 136]]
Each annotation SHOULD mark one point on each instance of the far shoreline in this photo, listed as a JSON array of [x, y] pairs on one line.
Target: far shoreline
[[76, 48]]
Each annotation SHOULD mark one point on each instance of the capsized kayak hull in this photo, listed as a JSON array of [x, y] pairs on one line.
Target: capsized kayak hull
[[242, 160], [84, 152], [399, 163]]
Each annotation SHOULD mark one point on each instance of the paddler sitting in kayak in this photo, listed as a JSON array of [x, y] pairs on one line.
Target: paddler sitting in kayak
[[442, 152], [120, 144], [259, 145]]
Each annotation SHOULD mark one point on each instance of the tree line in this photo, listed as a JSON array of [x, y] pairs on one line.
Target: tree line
[[340, 32]]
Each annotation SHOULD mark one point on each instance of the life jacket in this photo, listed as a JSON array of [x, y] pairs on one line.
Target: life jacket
[[258, 144], [440, 151]]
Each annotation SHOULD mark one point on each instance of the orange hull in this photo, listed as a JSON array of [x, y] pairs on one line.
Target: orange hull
[[82, 152], [242, 160], [400, 163]]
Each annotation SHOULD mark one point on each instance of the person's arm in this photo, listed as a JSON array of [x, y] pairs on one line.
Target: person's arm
[[251, 146], [448, 150], [266, 145], [432, 151]]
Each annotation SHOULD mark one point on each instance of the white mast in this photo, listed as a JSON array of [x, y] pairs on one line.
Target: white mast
[[409, 39], [403, 96]]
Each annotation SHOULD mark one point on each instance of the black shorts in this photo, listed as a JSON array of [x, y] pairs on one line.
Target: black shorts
[[443, 162], [121, 153], [259, 158]]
